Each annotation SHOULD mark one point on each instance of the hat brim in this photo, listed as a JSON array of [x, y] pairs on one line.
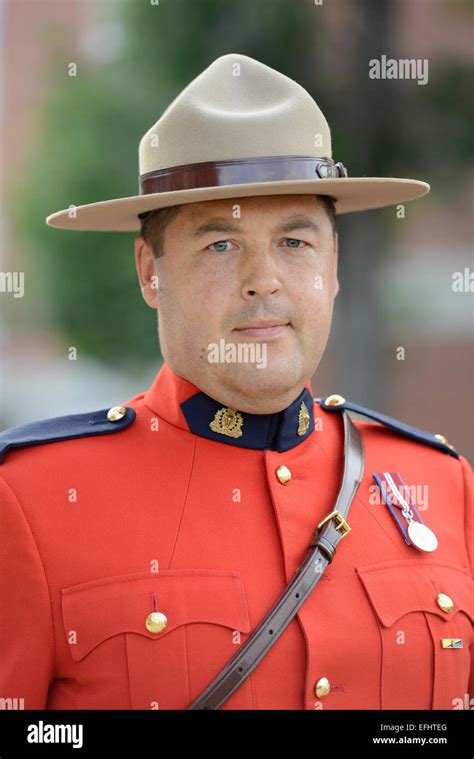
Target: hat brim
[[351, 193]]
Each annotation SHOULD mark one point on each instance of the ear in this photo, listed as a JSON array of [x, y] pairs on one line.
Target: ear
[[336, 252], [146, 269]]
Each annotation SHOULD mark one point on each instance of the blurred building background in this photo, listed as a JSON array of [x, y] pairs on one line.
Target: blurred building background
[[74, 139]]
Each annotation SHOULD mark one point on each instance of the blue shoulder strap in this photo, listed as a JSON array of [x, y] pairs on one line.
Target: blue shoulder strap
[[102, 422], [337, 403]]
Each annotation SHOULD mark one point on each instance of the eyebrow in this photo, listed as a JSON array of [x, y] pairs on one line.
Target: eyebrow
[[223, 225]]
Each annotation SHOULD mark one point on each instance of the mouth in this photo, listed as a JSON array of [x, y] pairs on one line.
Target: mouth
[[263, 328]]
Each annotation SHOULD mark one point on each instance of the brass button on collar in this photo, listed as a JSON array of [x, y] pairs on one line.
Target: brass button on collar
[[156, 622], [322, 687], [116, 413], [283, 474], [445, 602]]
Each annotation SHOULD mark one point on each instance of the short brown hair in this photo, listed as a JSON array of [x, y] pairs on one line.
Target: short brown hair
[[153, 223]]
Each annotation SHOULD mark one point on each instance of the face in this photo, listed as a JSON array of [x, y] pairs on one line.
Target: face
[[244, 292]]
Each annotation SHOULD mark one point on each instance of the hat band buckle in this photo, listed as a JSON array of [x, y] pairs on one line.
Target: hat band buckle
[[240, 171]]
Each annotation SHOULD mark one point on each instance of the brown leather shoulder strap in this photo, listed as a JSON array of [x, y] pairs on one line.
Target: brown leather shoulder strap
[[323, 548]]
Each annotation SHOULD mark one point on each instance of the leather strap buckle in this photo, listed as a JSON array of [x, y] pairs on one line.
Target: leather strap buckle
[[341, 523]]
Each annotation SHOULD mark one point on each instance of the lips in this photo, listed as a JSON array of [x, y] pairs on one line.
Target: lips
[[262, 324], [263, 328]]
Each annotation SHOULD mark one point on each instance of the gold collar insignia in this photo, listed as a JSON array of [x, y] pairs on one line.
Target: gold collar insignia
[[303, 419], [227, 421]]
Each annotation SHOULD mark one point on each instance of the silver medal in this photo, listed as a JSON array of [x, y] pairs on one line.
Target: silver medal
[[420, 535]]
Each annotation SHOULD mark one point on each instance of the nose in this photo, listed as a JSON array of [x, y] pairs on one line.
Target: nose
[[259, 274]]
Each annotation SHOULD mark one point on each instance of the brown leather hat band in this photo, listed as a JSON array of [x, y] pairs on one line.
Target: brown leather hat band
[[240, 171]]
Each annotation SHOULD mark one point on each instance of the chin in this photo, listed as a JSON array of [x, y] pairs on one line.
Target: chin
[[273, 376]]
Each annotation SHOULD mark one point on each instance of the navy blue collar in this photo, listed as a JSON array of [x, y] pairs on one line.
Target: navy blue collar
[[276, 432]]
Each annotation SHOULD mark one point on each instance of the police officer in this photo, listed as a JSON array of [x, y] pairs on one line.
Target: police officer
[[142, 545]]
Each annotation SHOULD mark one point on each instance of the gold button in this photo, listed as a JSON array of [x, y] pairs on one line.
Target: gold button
[[156, 622], [443, 440], [445, 602], [283, 474], [116, 413], [335, 400], [322, 687]]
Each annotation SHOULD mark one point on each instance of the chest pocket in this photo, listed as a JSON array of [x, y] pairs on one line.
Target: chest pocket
[[417, 672], [121, 664]]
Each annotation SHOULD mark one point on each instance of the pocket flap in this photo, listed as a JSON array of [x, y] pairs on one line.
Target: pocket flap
[[396, 588], [99, 609]]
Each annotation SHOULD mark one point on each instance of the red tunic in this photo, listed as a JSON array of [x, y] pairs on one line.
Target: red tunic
[[99, 532]]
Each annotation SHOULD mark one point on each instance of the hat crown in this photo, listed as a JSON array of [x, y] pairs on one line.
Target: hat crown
[[239, 129], [236, 108]]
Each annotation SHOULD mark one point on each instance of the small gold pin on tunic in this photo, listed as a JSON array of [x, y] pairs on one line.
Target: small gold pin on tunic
[[451, 642]]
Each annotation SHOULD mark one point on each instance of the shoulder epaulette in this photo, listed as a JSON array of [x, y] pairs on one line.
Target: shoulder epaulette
[[102, 422], [337, 403]]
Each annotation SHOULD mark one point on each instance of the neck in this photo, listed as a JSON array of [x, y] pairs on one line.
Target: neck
[[267, 402], [288, 421]]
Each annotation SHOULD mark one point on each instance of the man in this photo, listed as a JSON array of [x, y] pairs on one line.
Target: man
[[142, 545]]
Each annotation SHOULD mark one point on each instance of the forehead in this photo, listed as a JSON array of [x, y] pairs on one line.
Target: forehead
[[270, 206]]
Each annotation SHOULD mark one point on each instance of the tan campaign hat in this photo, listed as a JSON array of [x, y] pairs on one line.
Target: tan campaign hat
[[238, 129]]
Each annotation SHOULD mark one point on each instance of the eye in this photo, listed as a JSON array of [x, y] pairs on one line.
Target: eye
[[294, 240], [220, 242]]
